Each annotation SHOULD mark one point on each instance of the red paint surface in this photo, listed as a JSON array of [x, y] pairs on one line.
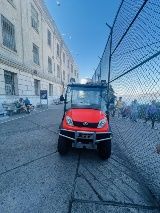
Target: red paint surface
[[85, 115]]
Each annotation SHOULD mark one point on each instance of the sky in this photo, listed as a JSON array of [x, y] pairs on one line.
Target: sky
[[82, 24]]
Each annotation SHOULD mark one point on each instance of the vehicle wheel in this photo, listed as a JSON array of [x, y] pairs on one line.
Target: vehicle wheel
[[104, 149], [63, 146]]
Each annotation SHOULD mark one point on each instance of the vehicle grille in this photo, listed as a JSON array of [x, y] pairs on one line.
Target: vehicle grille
[[81, 124], [84, 137]]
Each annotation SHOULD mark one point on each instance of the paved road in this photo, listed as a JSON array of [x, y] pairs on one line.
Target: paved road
[[34, 178]]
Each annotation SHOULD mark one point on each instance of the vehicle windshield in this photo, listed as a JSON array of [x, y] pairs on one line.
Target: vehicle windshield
[[85, 97]]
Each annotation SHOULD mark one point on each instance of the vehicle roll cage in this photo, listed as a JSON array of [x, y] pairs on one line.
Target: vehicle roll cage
[[100, 86]]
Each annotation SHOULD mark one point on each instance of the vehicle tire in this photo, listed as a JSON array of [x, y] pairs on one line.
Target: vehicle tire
[[104, 149], [63, 146]]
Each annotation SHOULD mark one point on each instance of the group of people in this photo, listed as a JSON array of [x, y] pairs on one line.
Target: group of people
[[23, 105], [132, 111]]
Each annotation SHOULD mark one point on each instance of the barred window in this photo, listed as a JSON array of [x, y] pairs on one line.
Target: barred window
[[8, 33], [68, 78], [9, 82], [35, 54], [49, 65], [49, 38], [71, 68], [50, 89], [54, 68], [34, 18], [58, 53], [64, 58], [58, 71], [37, 87]]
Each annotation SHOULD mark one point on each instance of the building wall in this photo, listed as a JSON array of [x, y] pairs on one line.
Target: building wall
[[21, 61]]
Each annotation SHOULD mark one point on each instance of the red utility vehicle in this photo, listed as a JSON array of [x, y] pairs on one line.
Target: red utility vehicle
[[85, 123]]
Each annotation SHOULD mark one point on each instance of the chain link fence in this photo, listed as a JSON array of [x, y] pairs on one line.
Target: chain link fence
[[130, 64]]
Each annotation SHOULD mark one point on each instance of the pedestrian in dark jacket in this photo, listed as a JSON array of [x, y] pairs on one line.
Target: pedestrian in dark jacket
[[61, 98]]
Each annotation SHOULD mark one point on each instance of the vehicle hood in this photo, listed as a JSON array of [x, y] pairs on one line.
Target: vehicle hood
[[88, 115]]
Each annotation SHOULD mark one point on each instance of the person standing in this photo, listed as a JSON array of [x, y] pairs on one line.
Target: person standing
[[61, 98], [119, 106], [134, 110], [112, 106], [151, 113]]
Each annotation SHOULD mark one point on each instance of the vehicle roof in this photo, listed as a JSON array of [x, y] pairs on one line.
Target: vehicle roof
[[88, 85]]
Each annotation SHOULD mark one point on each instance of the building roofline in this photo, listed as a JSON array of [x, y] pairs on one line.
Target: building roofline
[[49, 17]]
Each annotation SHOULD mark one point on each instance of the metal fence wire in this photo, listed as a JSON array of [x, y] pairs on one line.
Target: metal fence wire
[[131, 66]]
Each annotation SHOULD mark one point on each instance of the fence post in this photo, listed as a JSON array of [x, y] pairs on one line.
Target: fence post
[[109, 68], [100, 70]]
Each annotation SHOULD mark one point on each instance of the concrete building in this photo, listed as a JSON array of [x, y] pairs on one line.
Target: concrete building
[[33, 55]]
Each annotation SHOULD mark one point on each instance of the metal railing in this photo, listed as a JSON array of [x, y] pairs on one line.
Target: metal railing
[[130, 64]]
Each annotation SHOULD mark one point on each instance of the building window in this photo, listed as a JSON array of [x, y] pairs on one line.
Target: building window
[[37, 87], [50, 89], [54, 68], [49, 65], [68, 78], [68, 63], [49, 38], [35, 54], [10, 85], [34, 18], [72, 80], [64, 58], [8, 33], [63, 75], [71, 68], [58, 53], [58, 71], [75, 72]]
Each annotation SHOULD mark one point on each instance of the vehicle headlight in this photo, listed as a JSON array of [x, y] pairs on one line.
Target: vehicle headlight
[[102, 123], [69, 121]]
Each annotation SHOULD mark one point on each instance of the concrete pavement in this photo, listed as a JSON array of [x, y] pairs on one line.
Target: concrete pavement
[[35, 178], [137, 141]]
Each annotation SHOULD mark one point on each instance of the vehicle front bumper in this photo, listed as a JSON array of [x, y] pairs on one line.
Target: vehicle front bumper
[[81, 139]]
